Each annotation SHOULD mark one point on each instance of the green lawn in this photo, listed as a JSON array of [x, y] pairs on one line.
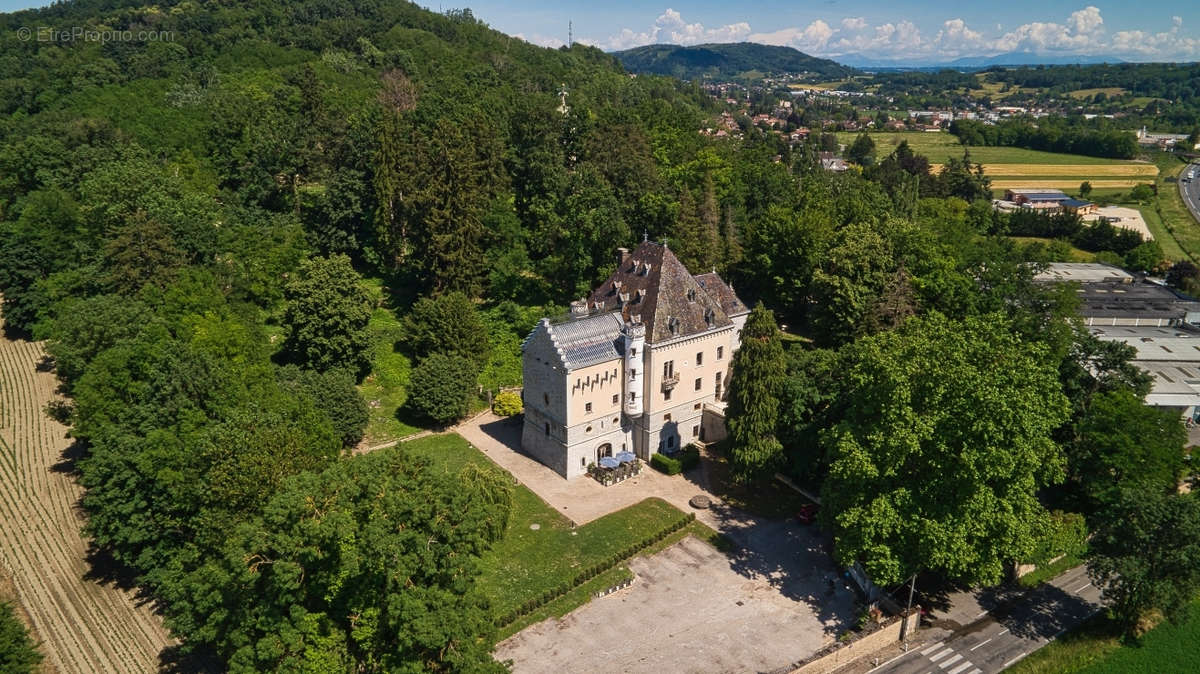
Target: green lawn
[[527, 562], [938, 146], [1095, 648], [1077, 254], [386, 388]]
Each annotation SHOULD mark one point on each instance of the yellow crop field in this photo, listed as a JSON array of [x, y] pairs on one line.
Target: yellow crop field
[[1005, 183], [1147, 171], [84, 626]]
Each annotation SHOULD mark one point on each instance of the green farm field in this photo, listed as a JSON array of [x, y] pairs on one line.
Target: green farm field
[[940, 145]]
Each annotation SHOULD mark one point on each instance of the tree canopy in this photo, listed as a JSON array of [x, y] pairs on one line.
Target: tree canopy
[[943, 445]]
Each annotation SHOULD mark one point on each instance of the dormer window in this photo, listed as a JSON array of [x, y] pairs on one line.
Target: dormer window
[[616, 285], [641, 294], [691, 294], [624, 297], [673, 325], [709, 318]]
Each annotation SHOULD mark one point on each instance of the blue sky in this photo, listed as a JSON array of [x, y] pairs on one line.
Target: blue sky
[[1144, 30]]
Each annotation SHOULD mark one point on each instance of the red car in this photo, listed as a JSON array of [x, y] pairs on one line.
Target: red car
[[807, 513]]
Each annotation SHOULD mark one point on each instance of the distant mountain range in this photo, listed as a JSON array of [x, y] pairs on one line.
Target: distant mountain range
[[976, 62], [727, 61]]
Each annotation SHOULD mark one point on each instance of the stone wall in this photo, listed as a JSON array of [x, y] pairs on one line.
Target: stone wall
[[840, 654]]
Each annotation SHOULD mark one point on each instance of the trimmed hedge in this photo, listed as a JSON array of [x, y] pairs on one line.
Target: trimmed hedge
[[666, 464], [688, 459], [592, 571]]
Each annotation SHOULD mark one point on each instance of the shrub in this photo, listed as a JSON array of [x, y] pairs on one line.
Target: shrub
[[666, 464], [1066, 535], [507, 404], [690, 457]]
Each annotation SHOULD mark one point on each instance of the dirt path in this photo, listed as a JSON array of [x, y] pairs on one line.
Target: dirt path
[[83, 626]]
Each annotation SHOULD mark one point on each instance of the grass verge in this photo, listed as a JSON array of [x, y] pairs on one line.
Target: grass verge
[[1097, 648], [1172, 214], [1047, 571]]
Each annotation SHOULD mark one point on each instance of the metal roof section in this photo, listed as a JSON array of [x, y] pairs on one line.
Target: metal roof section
[[1084, 272], [586, 341]]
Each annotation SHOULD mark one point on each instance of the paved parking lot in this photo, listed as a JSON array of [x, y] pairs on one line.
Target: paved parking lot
[[694, 609], [773, 601]]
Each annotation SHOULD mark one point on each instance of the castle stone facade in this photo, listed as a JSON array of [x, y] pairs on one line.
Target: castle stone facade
[[634, 368]]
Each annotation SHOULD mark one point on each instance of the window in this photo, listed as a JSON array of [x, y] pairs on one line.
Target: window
[[633, 352], [666, 418], [717, 381], [587, 407], [670, 441], [547, 429], [633, 374], [700, 358], [589, 429], [616, 398], [695, 430], [632, 397], [698, 383], [668, 369], [691, 294], [616, 420], [696, 406], [667, 394], [720, 352], [546, 398], [582, 462]]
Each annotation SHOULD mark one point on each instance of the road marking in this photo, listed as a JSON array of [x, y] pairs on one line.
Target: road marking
[[1011, 662], [950, 661], [932, 648], [981, 615], [1002, 631], [939, 656], [975, 671], [1080, 589], [979, 644], [897, 658], [958, 669]]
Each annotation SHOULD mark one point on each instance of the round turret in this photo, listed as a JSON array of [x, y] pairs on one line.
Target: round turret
[[635, 343]]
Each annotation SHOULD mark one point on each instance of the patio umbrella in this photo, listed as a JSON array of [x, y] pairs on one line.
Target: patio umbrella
[[609, 462], [625, 457]]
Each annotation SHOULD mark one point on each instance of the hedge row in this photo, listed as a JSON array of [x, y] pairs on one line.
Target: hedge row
[[687, 459], [592, 571]]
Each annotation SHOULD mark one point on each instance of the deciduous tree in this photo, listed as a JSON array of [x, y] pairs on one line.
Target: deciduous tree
[[944, 442], [1145, 555], [327, 315]]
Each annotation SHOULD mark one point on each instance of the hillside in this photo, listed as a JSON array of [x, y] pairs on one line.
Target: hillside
[[727, 61]]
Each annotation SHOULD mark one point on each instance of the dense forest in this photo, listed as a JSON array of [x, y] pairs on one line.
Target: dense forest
[[725, 62], [191, 222]]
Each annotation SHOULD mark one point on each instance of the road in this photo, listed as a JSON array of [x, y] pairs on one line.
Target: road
[[1000, 638], [1190, 191]]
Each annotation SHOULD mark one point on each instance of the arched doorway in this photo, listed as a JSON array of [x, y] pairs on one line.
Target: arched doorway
[[603, 451]]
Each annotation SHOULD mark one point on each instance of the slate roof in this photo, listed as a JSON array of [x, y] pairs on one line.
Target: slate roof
[[722, 293], [587, 341], [653, 286]]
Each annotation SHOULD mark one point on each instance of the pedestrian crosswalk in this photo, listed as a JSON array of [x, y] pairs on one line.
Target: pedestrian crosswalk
[[948, 661]]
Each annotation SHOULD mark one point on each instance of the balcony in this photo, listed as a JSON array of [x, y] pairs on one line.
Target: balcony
[[669, 381]]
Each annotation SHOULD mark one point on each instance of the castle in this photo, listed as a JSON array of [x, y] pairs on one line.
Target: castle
[[641, 365]]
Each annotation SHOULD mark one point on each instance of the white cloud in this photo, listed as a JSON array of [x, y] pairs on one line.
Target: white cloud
[[854, 23], [1082, 32], [812, 38]]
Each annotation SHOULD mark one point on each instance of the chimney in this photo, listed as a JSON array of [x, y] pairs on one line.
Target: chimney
[[622, 257], [579, 309]]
